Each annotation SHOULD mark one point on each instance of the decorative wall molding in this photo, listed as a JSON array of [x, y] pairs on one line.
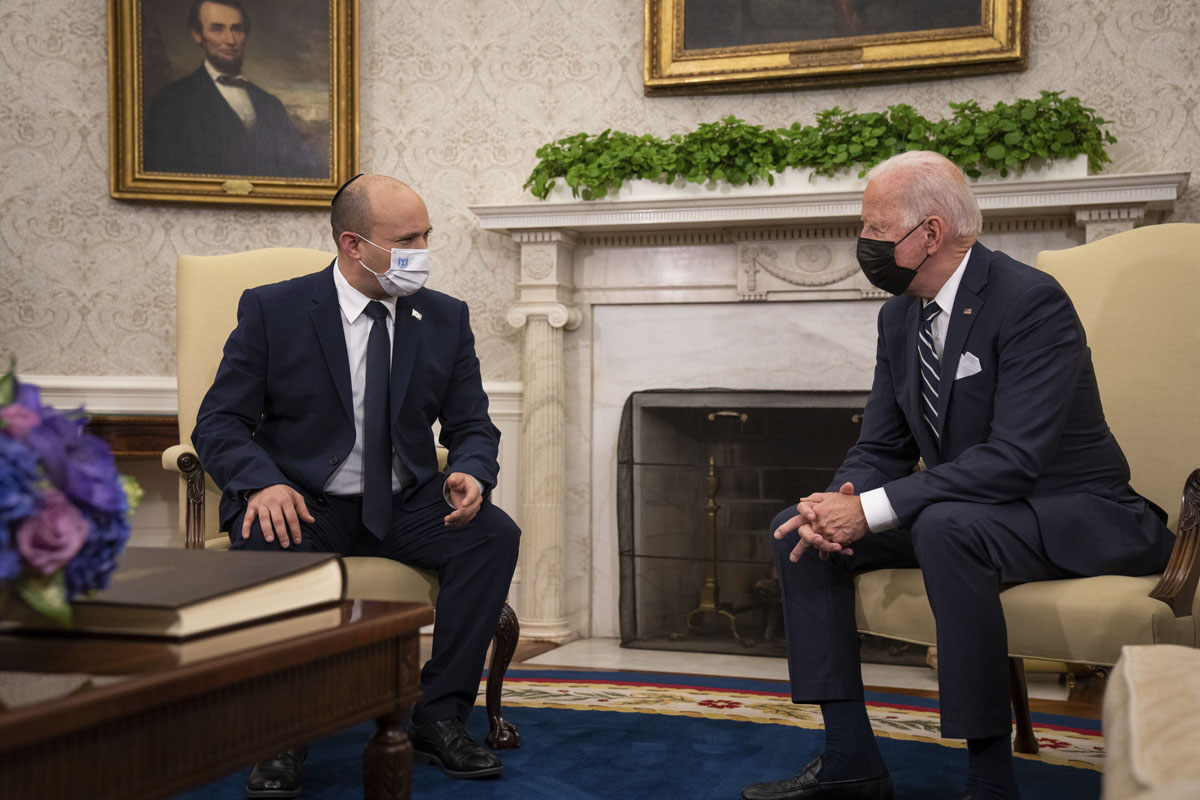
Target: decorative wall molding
[[109, 394], [156, 395], [1031, 224]]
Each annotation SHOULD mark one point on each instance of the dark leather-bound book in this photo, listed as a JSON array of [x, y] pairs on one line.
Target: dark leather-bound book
[[176, 593]]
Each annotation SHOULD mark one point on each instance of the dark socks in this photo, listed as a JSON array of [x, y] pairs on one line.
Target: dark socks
[[850, 749], [990, 769]]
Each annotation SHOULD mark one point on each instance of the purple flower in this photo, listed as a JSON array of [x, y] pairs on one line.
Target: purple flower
[[10, 564], [18, 420], [29, 396], [76, 462], [18, 485], [93, 565], [48, 540], [62, 502]]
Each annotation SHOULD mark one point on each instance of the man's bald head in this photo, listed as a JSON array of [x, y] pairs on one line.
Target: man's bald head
[[352, 208]]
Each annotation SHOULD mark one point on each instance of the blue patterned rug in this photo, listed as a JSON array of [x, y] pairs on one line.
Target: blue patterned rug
[[649, 735]]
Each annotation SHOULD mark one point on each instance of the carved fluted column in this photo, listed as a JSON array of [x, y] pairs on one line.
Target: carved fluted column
[[543, 313]]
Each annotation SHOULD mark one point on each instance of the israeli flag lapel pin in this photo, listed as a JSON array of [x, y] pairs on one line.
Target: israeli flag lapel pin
[[416, 314]]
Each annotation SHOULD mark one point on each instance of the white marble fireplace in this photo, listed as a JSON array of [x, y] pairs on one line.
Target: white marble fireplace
[[721, 291]]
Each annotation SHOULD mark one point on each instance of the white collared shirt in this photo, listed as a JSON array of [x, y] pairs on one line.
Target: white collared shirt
[[356, 325], [875, 504], [237, 97]]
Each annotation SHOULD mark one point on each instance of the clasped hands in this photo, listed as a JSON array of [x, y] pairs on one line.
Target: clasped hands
[[280, 509], [828, 522]]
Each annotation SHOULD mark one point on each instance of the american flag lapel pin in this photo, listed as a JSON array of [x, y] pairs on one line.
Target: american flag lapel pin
[[965, 311], [416, 313]]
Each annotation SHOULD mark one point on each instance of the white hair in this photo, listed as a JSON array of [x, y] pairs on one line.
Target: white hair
[[933, 185]]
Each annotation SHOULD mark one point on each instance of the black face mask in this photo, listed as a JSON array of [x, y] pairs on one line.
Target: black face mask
[[878, 261]]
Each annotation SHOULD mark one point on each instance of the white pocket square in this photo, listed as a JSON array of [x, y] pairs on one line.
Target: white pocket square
[[968, 365]]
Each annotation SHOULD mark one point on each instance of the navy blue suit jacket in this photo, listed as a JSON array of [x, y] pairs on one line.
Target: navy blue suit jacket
[[1028, 425], [190, 128], [279, 410]]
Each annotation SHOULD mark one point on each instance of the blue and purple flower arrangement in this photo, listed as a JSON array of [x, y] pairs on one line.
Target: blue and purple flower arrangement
[[64, 508]]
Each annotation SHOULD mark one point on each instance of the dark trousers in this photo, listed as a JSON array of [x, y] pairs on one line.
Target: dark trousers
[[474, 565], [967, 553]]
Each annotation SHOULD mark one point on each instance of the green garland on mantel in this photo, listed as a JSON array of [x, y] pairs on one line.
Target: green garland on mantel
[[1004, 138]]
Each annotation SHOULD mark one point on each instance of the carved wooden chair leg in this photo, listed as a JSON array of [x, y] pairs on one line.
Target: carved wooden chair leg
[[503, 734], [1024, 742]]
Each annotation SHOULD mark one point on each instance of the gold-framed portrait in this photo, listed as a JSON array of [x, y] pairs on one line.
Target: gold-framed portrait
[[714, 46], [247, 102]]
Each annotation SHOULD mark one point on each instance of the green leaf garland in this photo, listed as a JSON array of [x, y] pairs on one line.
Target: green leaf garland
[[1003, 139]]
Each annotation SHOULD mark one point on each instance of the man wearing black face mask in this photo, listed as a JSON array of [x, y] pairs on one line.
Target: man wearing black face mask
[[983, 372]]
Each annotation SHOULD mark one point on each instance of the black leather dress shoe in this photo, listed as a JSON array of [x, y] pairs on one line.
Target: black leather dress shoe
[[447, 744], [807, 785], [279, 776]]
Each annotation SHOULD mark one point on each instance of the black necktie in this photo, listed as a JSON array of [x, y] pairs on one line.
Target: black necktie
[[232, 80], [377, 431], [930, 367]]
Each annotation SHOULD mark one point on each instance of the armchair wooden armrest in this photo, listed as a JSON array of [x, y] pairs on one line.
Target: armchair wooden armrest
[[182, 458], [1177, 587]]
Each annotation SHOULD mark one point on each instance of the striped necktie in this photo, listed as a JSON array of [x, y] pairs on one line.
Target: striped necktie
[[930, 368]]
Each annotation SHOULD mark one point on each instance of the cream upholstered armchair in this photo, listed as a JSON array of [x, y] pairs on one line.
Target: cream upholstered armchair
[[207, 293], [1136, 294]]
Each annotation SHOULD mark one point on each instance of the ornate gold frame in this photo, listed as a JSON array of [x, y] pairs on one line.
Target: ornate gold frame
[[1000, 44], [129, 181]]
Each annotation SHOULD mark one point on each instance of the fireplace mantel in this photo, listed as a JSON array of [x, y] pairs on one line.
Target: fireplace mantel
[[1093, 200], [601, 269]]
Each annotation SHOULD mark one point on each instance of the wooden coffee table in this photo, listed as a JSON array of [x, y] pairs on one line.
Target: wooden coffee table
[[120, 718]]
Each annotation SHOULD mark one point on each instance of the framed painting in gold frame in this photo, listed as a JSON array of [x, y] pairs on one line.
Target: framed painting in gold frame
[[715, 46], [231, 102]]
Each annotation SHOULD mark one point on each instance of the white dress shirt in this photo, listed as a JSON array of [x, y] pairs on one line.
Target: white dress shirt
[[347, 479], [356, 325], [875, 504], [237, 97]]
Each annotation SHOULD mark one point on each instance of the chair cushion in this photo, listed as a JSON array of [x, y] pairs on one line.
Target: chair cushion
[[1083, 619], [1150, 707], [370, 578]]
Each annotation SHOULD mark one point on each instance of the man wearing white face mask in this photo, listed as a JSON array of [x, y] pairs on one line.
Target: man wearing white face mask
[[318, 430]]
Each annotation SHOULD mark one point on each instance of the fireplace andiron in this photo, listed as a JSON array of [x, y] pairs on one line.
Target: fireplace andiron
[[710, 591]]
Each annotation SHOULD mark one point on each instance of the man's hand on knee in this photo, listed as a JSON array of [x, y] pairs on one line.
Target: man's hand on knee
[[279, 510], [837, 516], [801, 524]]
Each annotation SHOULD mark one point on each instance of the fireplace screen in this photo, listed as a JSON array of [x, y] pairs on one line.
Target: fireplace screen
[[700, 475]]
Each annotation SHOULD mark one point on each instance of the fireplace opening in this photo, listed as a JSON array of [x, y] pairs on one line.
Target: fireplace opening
[[700, 476]]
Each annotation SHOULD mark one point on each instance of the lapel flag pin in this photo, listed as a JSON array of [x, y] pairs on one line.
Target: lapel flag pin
[[965, 311], [416, 313]]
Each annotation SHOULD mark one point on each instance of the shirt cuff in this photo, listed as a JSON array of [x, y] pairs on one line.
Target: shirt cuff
[[446, 490], [878, 510]]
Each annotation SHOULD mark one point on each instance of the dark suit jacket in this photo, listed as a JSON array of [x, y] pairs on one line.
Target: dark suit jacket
[[1027, 426], [279, 410], [190, 128]]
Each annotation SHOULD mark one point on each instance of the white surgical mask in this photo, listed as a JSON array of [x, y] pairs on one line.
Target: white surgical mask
[[408, 271]]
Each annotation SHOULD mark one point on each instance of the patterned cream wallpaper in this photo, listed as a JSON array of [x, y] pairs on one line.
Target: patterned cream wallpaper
[[456, 97]]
